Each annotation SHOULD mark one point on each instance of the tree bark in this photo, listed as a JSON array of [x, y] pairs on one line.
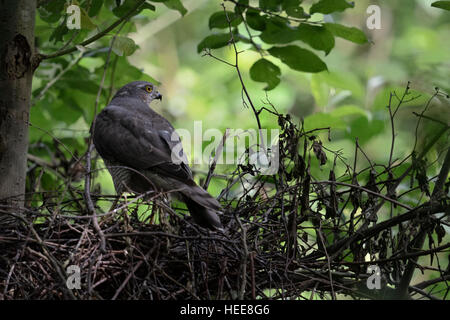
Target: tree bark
[[17, 20]]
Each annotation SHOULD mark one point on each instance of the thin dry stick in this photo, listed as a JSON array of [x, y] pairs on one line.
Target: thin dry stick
[[57, 77], [243, 258], [124, 283], [216, 157], [365, 190], [252, 266], [244, 88], [333, 294]]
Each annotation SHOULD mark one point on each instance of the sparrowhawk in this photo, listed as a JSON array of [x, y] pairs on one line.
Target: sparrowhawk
[[137, 145]]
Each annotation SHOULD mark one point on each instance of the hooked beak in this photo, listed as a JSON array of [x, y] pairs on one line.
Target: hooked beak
[[158, 96]]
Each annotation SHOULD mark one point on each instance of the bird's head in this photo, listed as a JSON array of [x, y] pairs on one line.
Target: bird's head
[[143, 90]]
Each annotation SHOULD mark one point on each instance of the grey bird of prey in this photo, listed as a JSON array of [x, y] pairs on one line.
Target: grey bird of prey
[[143, 152]]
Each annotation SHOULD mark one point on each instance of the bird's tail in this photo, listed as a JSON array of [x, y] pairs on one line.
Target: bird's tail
[[202, 207]]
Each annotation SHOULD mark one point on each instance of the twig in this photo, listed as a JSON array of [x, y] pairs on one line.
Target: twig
[[243, 259], [95, 37], [57, 77], [216, 157]]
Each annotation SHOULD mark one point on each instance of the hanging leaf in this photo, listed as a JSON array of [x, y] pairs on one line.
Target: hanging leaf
[[330, 6], [318, 37], [347, 33], [215, 41], [51, 11], [277, 31], [255, 20], [86, 21], [298, 59], [265, 71], [95, 8], [442, 5], [293, 9], [59, 32], [270, 5], [174, 4], [127, 5], [220, 20], [124, 46]]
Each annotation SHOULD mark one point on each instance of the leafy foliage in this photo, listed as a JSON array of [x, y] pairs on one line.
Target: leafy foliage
[[298, 59], [442, 5], [330, 6], [281, 22], [265, 71]]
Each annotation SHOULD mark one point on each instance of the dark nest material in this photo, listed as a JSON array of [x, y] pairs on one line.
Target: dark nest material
[[287, 236]]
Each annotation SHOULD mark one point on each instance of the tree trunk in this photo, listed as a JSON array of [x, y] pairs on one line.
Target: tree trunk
[[16, 52]]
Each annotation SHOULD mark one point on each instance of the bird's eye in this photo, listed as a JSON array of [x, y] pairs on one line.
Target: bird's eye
[[148, 88]]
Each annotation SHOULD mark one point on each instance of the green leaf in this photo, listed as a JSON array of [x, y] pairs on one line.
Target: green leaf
[[59, 32], [442, 5], [347, 33], [86, 21], [91, 63], [124, 46], [176, 5], [220, 20], [290, 3], [71, 80], [277, 31], [329, 6], [215, 41], [293, 9], [52, 11], [48, 181], [297, 12], [95, 8], [127, 72], [148, 6], [61, 108], [298, 59], [241, 6], [255, 20], [318, 37], [270, 5], [125, 7], [364, 129], [265, 71]]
